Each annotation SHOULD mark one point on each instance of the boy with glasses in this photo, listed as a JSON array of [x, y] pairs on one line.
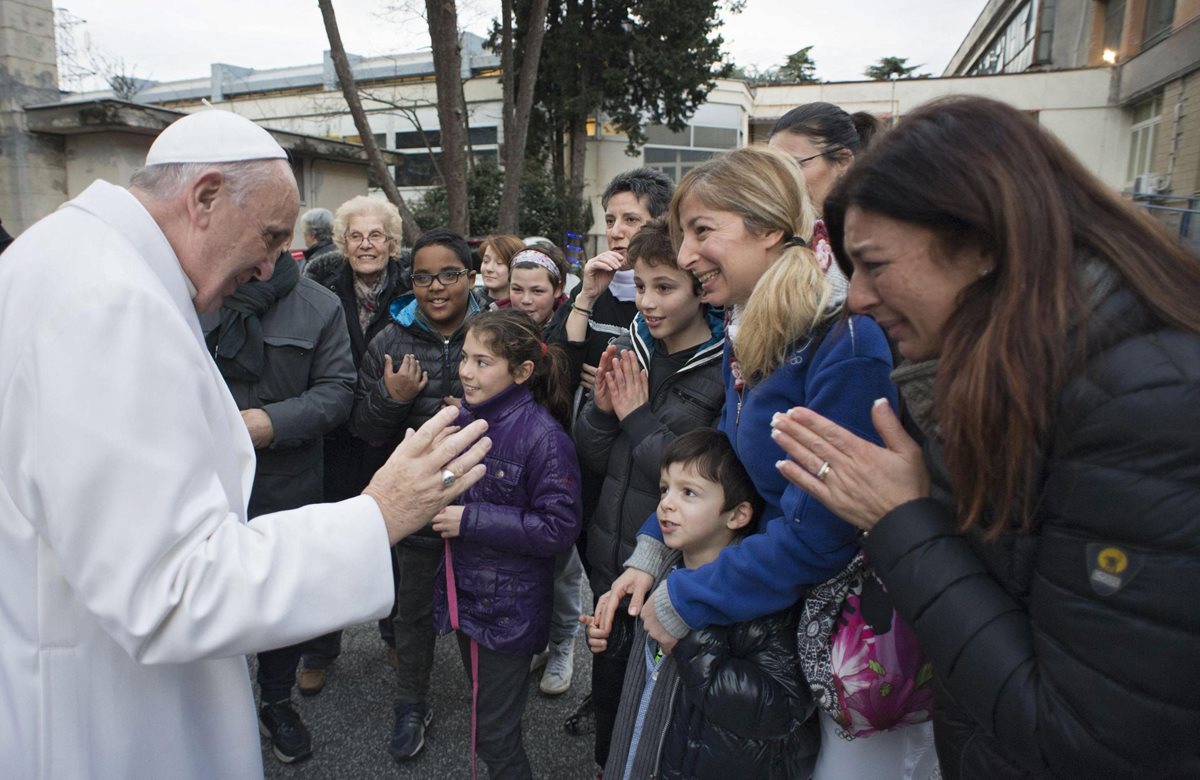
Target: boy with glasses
[[409, 372]]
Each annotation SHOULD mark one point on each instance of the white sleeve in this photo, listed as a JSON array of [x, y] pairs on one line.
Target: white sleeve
[[122, 462]]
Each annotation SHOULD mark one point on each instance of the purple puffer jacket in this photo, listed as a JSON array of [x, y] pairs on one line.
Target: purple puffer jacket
[[516, 520]]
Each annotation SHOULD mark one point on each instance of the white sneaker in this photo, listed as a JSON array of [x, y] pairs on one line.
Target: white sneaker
[[560, 668]]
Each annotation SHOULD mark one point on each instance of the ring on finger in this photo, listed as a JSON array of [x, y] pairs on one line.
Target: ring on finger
[[824, 470], [448, 478]]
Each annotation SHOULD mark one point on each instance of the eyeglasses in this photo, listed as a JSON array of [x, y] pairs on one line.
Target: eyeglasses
[[801, 160], [375, 238], [446, 278]]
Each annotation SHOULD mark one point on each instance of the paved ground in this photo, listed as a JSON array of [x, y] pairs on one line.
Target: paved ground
[[351, 720]]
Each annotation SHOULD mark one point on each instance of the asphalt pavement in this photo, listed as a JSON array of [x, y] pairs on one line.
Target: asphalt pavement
[[351, 720]]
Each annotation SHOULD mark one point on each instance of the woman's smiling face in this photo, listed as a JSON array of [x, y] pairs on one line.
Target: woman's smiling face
[[726, 258]]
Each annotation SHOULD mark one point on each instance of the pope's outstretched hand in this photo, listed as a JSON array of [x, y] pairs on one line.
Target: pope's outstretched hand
[[430, 468]]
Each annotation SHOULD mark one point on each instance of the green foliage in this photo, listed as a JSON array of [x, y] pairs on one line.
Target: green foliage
[[892, 68], [800, 68], [540, 205]]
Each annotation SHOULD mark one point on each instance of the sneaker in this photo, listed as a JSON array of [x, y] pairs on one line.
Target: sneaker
[[582, 721], [560, 667], [311, 681], [539, 659], [408, 735], [289, 738]]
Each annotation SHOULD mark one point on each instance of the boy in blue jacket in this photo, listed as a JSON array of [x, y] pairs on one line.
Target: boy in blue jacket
[[729, 702]]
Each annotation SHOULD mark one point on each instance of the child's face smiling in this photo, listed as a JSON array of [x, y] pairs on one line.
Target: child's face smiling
[[483, 373], [672, 310], [444, 306], [532, 291], [691, 514]]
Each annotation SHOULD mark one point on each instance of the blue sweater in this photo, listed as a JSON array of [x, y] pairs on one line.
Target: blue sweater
[[801, 543]]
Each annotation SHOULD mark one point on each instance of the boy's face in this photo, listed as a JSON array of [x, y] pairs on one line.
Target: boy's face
[[666, 299], [444, 306], [691, 514]]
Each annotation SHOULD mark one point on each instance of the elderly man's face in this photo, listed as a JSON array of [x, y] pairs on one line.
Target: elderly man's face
[[243, 241]]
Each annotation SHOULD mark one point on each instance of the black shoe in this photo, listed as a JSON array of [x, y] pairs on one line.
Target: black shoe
[[289, 738], [582, 721], [408, 736]]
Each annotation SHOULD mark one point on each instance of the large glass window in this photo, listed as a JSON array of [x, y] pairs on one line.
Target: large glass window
[[1142, 136], [1010, 50], [677, 152], [1160, 16], [420, 166]]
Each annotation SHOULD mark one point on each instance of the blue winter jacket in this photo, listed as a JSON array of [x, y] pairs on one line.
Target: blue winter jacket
[[801, 543], [515, 521]]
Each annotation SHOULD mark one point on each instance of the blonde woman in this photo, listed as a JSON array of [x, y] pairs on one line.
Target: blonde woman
[[742, 222]]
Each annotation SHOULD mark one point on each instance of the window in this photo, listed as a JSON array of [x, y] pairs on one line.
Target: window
[[1042, 50], [1114, 24], [1010, 51], [1142, 135], [420, 168], [677, 152], [1160, 16]]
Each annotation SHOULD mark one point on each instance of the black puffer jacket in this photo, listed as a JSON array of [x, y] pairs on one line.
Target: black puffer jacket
[[628, 452], [1071, 651], [728, 703], [349, 461], [377, 419]]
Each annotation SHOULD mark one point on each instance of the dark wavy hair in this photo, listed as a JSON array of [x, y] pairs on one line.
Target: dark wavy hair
[[982, 175], [709, 452], [515, 337]]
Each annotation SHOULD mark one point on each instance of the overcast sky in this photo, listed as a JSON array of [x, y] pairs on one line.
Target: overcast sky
[[156, 43]]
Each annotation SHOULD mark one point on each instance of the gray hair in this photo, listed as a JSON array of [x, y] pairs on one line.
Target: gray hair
[[167, 180], [318, 223], [645, 183]]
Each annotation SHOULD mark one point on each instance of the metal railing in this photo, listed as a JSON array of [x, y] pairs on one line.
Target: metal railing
[[1183, 219]]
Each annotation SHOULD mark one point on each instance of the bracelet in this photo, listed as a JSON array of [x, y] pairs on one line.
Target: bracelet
[[576, 307]]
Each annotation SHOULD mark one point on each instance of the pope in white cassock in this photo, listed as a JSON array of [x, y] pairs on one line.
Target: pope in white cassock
[[131, 586]]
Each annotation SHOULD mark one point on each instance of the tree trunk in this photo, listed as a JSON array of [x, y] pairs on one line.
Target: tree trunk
[[518, 103], [350, 92], [578, 161], [447, 65]]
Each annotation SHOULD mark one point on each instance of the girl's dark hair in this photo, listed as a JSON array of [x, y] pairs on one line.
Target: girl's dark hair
[[513, 336], [829, 126], [709, 452], [983, 176]]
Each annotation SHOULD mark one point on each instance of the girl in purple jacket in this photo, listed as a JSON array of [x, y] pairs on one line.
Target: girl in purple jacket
[[495, 587]]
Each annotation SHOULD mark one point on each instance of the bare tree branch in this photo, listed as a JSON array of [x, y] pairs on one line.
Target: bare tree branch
[[350, 92], [518, 102], [447, 66]]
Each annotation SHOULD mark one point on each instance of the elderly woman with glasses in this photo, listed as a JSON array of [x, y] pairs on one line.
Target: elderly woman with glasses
[[366, 278]]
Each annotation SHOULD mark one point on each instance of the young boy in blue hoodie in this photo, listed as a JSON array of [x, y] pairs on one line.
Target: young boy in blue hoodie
[[660, 380], [730, 701], [409, 372]]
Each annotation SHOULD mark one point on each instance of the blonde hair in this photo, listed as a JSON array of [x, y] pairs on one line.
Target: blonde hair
[[362, 206], [766, 189]]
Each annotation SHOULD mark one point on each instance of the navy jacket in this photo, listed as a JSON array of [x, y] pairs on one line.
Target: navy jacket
[[515, 521]]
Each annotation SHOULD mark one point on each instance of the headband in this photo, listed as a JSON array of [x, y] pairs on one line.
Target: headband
[[537, 258]]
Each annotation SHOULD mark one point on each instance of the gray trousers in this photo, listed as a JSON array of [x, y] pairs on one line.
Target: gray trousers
[[503, 692], [568, 596]]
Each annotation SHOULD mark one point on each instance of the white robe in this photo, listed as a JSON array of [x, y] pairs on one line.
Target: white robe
[[131, 585]]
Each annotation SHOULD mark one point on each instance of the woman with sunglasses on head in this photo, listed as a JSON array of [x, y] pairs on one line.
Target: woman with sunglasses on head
[[1036, 518]]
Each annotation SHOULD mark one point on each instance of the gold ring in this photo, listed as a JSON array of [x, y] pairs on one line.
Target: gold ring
[[824, 471]]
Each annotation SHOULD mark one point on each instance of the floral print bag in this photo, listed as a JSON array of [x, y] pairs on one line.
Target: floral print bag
[[862, 661]]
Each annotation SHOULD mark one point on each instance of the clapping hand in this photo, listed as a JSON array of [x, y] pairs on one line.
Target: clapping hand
[[628, 384], [601, 394]]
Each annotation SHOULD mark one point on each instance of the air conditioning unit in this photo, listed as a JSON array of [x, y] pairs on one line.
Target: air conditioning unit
[[1151, 184]]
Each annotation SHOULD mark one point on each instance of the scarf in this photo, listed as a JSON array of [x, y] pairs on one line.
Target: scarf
[[622, 286], [366, 296], [237, 343]]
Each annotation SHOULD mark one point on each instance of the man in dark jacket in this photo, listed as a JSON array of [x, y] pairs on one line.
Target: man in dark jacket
[[321, 255], [282, 349]]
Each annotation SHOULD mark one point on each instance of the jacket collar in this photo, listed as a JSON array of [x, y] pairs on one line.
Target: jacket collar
[[501, 404], [117, 207], [709, 351], [407, 314]]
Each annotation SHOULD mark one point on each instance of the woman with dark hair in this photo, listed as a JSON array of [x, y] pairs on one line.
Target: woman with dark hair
[[824, 140], [1043, 539]]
